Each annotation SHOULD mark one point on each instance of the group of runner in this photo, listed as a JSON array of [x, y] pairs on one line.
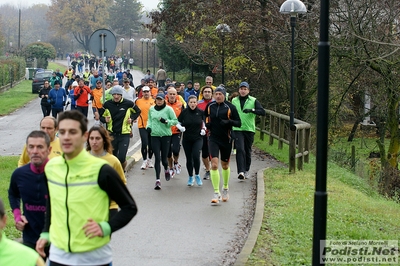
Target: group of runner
[[92, 198]]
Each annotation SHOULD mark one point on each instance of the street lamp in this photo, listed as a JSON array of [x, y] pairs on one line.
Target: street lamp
[[223, 29], [154, 41], [142, 41], [131, 40], [292, 7], [122, 46], [147, 40]]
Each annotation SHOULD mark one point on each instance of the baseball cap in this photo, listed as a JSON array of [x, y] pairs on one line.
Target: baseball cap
[[74, 84], [244, 84], [160, 96], [99, 81], [189, 82], [146, 88]]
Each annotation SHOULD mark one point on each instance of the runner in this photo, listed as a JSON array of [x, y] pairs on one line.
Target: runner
[[161, 118], [49, 125], [144, 105], [220, 116], [206, 95], [28, 186], [99, 145], [80, 187], [248, 108], [12, 252], [192, 124]]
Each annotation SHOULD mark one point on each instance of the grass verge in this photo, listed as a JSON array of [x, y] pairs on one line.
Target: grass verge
[[355, 212], [7, 167], [19, 95]]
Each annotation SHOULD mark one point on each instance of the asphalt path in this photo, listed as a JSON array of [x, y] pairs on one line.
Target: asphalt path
[[176, 225]]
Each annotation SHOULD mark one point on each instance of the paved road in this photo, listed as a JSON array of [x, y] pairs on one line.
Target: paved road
[[174, 226]]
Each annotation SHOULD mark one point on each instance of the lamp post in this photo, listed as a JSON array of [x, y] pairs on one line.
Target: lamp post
[[223, 29], [154, 41], [142, 41], [131, 41], [122, 46], [320, 195], [147, 40], [292, 7]]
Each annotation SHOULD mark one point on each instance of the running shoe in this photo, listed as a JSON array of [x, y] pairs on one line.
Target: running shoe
[[144, 165], [246, 174], [158, 185], [150, 163], [177, 168], [198, 180], [225, 195], [207, 175], [167, 175], [190, 181], [171, 172], [241, 176], [216, 199]]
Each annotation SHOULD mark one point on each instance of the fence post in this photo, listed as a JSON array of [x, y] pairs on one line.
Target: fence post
[[307, 137], [300, 137], [262, 128], [271, 129]]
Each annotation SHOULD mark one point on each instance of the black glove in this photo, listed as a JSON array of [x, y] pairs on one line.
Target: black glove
[[162, 120], [80, 91], [247, 111], [148, 130], [63, 103], [225, 122]]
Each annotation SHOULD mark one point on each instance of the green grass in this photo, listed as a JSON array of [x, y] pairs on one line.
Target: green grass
[[355, 211], [16, 97], [7, 167], [19, 95]]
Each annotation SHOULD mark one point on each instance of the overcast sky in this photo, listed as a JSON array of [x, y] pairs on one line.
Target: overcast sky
[[148, 4]]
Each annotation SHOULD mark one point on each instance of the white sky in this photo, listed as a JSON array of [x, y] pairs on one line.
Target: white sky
[[148, 4]]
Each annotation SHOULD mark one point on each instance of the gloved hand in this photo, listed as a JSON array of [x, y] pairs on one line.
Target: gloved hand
[[63, 103], [148, 130], [162, 120], [180, 127], [247, 111], [225, 122], [202, 132], [80, 91]]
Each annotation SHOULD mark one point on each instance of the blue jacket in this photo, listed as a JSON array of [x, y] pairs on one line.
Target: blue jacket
[[57, 98]]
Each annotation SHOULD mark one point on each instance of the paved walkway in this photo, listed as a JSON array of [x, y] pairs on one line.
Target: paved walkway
[[178, 225]]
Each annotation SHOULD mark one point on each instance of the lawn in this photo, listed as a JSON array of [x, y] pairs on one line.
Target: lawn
[[18, 96], [7, 166], [355, 211]]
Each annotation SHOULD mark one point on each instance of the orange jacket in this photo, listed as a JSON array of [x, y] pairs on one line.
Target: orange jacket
[[177, 106], [144, 106], [97, 95]]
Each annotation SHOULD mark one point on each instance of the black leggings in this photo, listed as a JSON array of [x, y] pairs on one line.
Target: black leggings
[[146, 144], [46, 110], [160, 146], [175, 145], [192, 152], [120, 145]]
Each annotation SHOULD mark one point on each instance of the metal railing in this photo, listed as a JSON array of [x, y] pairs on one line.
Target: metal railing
[[276, 125]]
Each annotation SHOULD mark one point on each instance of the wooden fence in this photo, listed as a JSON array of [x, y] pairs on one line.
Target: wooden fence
[[276, 125]]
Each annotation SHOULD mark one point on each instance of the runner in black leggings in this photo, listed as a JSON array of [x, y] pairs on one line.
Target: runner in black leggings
[[161, 118], [191, 122]]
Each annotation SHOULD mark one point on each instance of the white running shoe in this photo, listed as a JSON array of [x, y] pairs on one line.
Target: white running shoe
[[177, 168], [150, 163], [144, 165], [216, 199]]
